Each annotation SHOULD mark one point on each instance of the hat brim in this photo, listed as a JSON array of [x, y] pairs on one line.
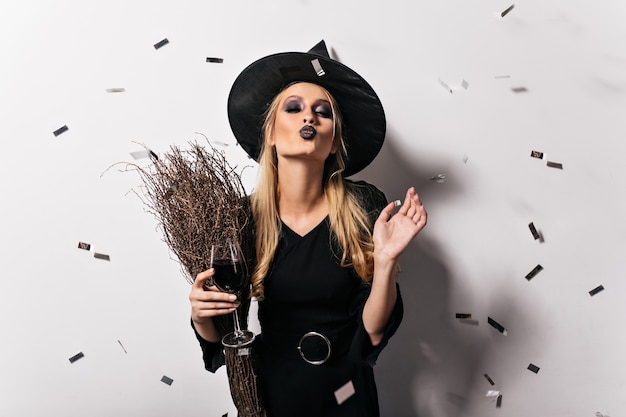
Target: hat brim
[[261, 81]]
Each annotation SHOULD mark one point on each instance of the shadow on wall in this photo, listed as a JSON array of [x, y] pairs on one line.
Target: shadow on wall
[[429, 366]]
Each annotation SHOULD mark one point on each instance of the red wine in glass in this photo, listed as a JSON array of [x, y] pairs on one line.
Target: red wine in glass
[[231, 275]]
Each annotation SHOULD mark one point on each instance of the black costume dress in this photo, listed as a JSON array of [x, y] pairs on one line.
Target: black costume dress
[[308, 291]]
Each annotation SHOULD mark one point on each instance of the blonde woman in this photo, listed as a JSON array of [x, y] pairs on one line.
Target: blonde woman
[[326, 247]]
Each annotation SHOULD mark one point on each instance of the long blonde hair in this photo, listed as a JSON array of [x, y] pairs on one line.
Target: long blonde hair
[[349, 221]]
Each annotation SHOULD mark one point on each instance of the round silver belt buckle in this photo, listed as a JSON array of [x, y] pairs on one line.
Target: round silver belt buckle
[[303, 354]]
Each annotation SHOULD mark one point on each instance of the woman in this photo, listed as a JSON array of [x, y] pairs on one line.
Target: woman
[[326, 247]]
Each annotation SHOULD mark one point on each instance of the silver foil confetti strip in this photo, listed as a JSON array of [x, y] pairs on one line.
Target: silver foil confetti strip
[[84, 246], [504, 13], [536, 154], [144, 154], [161, 43], [76, 357], [345, 392], [116, 90], [101, 256], [170, 192], [556, 165], [140, 154], [498, 77], [318, 67], [492, 393], [167, 380], [215, 60], [497, 326], [519, 89], [439, 178], [243, 351], [60, 130], [464, 84], [596, 290], [445, 85], [533, 368], [534, 272]]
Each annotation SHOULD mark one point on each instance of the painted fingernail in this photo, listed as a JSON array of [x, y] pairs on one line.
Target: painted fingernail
[[232, 297], [398, 203]]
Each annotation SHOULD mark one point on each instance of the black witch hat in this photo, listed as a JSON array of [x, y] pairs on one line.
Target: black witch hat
[[261, 81]]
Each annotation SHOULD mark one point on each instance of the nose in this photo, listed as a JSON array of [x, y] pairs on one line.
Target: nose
[[309, 117]]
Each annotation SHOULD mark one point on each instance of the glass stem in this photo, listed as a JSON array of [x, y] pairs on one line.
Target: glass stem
[[237, 327]]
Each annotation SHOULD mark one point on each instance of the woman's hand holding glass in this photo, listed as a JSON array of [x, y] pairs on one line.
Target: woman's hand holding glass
[[209, 301]]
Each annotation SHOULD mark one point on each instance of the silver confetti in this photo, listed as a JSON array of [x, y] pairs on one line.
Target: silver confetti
[[439, 178]]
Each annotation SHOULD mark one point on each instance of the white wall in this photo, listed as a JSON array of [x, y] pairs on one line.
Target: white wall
[[59, 57]]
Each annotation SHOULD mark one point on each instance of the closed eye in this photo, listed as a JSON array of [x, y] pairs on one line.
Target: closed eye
[[324, 111], [293, 106]]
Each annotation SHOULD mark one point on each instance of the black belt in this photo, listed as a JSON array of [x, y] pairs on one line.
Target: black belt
[[314, 347]]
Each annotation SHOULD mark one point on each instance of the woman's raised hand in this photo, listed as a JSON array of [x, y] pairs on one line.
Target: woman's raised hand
[[393, 232], [208, 301]]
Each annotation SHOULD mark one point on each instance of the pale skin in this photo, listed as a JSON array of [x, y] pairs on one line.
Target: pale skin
[[302, 206]]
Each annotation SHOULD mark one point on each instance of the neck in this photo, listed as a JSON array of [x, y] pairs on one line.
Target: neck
[[300, 188]]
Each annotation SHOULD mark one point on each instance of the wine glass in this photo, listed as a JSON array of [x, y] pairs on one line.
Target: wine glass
[[231, 275]]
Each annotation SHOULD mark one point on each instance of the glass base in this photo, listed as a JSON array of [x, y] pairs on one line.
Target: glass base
[[238, 339]]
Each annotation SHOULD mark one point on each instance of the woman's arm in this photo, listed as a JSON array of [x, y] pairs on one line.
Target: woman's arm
[[392, 235]]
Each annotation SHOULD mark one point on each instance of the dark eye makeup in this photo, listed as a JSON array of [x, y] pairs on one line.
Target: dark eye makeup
[[295, 105]]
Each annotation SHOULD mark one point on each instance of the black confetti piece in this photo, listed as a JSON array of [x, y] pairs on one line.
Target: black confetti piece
[[61, 130], [498, 77], [534, 272], [153, 155], [161, 44], [489, 379], [499, 401], [115, 90], [123, 348], [215, 60], [536, 154], [463, 316], [504, 13], [497, 326], [167, 380], [596, 290], [83, 245], [76, 357], [519, 89], [101, 256], [534, 231], [225, 415], [556, 165], [533, 368]]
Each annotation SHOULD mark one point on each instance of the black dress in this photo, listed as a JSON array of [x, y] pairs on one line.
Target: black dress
[[308, 291]]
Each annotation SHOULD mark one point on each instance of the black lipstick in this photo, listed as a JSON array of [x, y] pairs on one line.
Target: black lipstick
[[308, 132]]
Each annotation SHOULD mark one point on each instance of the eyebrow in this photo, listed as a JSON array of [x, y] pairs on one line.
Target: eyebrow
[[300, 98]]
